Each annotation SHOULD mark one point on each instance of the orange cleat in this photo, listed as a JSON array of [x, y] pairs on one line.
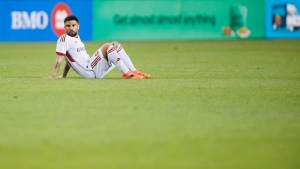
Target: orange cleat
[[147, 76], [131, 75]]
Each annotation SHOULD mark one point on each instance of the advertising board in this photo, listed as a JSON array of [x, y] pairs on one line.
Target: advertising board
[[282, 19], [177, 19], [32, 20]]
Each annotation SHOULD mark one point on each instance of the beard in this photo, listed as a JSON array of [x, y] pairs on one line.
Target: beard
[[72, 33]]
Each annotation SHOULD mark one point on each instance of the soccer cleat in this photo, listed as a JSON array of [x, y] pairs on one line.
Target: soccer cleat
[[131, 75], [147, 76]]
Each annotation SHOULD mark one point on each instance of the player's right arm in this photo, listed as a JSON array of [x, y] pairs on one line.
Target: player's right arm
[[59, 59], [61, 47], [66, 70]]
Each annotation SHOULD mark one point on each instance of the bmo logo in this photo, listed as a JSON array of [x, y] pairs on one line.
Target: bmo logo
[[59, 12], [32, 20], [21, 20]]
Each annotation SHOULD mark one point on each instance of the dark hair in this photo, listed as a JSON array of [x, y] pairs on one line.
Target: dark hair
[[71, 17]]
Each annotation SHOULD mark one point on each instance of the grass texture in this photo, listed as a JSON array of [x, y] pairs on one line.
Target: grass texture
[[232, 104]]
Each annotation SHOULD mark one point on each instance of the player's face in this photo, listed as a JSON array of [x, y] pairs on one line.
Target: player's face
[[71, 28]]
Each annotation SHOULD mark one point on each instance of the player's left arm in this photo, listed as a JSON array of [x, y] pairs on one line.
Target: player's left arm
[[66, 70]]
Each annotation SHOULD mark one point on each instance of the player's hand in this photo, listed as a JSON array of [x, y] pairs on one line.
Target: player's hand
[[115, 44]]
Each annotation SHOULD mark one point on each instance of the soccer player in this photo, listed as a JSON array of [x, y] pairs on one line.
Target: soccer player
[[108, 56]]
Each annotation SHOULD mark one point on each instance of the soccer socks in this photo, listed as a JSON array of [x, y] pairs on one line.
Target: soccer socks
[[125, 58], [113, 56], [121, 60]]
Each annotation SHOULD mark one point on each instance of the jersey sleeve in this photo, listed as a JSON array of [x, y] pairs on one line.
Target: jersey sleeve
[[62, 45]]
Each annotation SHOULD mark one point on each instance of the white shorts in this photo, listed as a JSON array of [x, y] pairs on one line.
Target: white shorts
[[100, 64], [96, 67]]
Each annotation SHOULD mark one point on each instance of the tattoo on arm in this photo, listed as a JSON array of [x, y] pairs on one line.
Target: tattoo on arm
[[55, 69], [56, 66]]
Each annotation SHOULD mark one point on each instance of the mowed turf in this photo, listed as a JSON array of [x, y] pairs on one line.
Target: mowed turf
[[210, 104]]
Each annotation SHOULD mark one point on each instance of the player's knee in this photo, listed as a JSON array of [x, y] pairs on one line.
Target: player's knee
[[107, 45], [105, 48]]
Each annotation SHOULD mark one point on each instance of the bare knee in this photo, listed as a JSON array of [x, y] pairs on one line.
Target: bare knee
[[104, 48]]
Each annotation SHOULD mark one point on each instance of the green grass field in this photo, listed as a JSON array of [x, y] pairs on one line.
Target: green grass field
[[211, 104]]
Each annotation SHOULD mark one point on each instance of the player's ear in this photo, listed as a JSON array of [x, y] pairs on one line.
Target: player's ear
[[78, 26]]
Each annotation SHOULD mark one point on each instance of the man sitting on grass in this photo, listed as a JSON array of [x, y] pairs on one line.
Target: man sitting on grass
[[110, 55]]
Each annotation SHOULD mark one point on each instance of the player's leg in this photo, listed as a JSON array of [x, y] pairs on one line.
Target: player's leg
[[109, 53], [127, 61], [121, 52]]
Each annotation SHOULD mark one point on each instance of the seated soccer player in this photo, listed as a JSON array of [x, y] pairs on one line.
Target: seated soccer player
[[110, 55]]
